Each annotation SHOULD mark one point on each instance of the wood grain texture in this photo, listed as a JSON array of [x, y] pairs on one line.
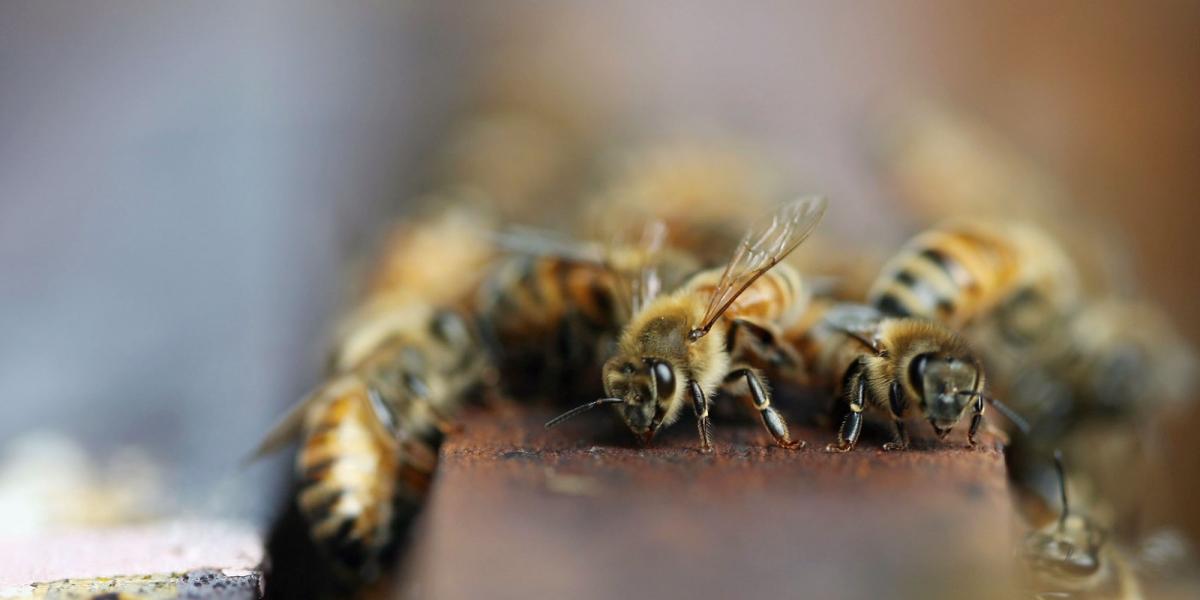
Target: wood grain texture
[[580, 512]]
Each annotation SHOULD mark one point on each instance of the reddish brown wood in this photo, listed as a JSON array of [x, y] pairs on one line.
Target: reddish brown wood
[[580, 512]]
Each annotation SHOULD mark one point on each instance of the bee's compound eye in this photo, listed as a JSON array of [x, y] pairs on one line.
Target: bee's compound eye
[[916, 372], [450, 327], [664, 378]]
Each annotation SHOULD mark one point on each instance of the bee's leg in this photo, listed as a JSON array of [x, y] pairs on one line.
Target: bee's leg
[[421, 392], [899, 406], [764, 342], [976, 419], [852, 424], [700, 406], [762, 401]]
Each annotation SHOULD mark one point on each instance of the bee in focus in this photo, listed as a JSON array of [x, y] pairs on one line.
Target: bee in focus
[[1073, 557], [686, 345], [903, 367]]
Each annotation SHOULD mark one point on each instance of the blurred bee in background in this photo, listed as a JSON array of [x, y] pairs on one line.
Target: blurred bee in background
[[1116, 371], [553, 310], [401, 369], [1074, 557], [962, 271], [707, 192], [686, 345], [946, 165]]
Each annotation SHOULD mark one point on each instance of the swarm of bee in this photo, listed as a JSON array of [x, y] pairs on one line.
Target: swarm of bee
[[653, 319]]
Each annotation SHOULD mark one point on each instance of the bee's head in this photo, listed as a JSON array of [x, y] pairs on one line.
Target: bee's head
[[1069, 548], [946, 385], [641, 391], [645, 387]]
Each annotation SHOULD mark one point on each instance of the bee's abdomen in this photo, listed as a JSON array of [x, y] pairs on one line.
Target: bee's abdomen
[[778, 296], [945, 275], [532, 295], [352, 473]]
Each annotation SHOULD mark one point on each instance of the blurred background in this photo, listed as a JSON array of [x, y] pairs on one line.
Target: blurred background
[[185, 187]]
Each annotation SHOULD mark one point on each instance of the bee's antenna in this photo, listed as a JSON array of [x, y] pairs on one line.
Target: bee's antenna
[[1062, 489], [581, 409], [1004, 409]]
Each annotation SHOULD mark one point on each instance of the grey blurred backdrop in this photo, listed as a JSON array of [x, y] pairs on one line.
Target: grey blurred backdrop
[[181, 184]]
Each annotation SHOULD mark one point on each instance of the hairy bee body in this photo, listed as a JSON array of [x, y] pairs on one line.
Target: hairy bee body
[[370, 437], [529, 295], [661, 334], [549, 316], [962, 271], [902, 367], [779, 297], [687, 344], [349, 468]]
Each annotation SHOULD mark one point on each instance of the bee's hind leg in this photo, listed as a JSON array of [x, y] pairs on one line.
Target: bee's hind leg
[[772, 420]]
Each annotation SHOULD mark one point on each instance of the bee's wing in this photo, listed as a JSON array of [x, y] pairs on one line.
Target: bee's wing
[[762, 248], [288, 428], [538, 242], [857, 321], [640, 274]]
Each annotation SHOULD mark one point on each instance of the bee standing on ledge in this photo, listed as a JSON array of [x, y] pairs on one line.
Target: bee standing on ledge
[[690, 343], [905, 367]]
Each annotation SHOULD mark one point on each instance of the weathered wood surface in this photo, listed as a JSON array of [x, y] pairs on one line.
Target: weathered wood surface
[[176, 560], [581, 512]]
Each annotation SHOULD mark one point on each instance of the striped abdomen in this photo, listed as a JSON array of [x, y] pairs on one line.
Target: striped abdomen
[[353, 472], [778, 296], [532, 295], [961, 271]]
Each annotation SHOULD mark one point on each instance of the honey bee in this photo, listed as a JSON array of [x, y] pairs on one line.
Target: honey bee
[[1074, 558], [962, 271], [369, 436], [902, 366], [689, 343], [401, 368]]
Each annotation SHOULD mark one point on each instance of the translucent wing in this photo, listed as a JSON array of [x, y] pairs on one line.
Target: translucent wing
[[636, 265], [537, 242], [857, 321], [762, 248], [288, 428]]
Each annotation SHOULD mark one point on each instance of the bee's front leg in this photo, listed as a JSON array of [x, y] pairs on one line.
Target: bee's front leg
[[852, 424], [899, 407], [976, 420], [700, 406], [772, 420]]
